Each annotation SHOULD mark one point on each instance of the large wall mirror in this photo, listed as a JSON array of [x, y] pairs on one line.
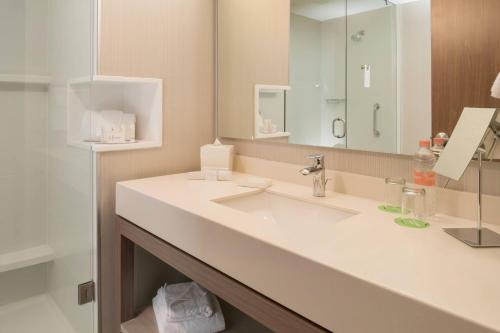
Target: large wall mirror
[[373, 75]]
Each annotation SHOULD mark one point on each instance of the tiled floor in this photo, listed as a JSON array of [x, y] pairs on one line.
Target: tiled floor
[[37, 314]]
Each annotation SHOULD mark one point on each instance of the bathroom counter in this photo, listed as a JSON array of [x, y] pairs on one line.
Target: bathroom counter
[[364, 273]]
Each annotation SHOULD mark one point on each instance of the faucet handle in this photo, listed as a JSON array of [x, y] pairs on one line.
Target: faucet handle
[[319, 159]]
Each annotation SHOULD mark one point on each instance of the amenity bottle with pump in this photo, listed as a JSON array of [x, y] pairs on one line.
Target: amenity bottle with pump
[[424, 176]]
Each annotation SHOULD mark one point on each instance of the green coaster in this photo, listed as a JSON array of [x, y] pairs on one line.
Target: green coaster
[[390, 209], [411, 223]]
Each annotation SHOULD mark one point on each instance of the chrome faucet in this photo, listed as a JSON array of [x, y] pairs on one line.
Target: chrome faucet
[[317, 170]]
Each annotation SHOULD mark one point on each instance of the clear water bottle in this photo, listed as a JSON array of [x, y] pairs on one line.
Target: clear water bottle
[[424, 160], [424, 176]]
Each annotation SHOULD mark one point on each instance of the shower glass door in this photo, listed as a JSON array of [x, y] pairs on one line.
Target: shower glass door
[[316, 102], [46, 186], [343, 75], [372, 112]]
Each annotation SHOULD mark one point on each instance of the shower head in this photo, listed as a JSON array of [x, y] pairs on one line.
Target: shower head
[[358, 36]]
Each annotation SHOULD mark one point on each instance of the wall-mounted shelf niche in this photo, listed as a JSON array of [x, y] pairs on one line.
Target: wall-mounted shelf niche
[[141, 96], [269, 106]]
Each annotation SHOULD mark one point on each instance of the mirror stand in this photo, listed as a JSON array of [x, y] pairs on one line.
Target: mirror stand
[[479, 236]]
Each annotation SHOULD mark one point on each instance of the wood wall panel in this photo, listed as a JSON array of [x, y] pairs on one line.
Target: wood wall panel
[[465, 58], [172, 40]]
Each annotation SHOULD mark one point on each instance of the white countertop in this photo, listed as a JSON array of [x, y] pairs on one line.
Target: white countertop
[[365, 273]]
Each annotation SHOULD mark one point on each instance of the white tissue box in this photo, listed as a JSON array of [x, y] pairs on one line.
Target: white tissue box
[[216, 156]]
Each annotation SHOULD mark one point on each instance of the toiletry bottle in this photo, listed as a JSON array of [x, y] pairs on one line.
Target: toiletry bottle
[[438, 146], [131, 132], [424, 176]]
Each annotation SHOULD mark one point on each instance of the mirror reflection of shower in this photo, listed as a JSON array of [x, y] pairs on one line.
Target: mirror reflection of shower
[[358, 36], [351, 48]]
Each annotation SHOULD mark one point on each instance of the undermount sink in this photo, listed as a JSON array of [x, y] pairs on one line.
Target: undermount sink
[[279, 209]]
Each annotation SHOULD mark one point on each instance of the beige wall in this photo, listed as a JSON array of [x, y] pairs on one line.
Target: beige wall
[[172, 40], [252, 49]]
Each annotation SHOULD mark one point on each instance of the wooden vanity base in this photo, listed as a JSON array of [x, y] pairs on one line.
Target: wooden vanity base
[[257, 306]]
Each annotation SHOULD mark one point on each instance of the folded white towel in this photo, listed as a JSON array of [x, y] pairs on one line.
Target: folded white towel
[[187, 301], [204, 317]]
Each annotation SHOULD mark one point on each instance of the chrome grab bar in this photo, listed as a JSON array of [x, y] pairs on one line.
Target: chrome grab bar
[[376, 107], [343, 126]]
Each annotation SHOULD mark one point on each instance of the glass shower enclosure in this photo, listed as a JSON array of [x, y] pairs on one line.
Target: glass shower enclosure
[[47, 222], [343, 75], [371, 76]]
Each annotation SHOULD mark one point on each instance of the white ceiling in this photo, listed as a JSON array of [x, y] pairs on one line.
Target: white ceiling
[[322, 10], [319, 10]]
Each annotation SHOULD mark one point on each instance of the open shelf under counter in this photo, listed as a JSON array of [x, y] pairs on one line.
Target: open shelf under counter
[[236, 322], [244, 309], [141, 96], [26, 257]]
